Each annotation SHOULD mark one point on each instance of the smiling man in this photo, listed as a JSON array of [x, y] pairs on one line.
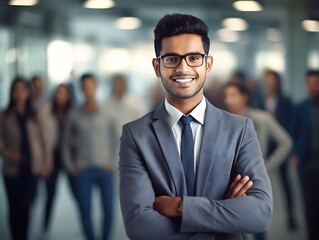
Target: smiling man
[[185, 167]]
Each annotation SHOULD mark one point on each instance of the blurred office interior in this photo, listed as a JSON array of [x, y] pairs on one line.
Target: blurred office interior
[[62, 39]]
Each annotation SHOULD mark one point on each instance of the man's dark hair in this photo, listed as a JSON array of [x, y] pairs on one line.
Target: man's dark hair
[[312, 72], [242, 87], [35, 78], [87, 75], [175, 24]]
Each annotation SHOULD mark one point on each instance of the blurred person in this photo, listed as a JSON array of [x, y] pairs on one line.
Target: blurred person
[[27, 153], [255, 99], [267, 128], [176, 185], [214, 93], [306, 150], [157, 95], [123, 108], [40, 103], [91, 163], [281, 108], [61, 105]]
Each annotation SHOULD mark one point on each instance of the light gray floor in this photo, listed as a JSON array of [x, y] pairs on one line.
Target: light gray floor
[[66, 225]]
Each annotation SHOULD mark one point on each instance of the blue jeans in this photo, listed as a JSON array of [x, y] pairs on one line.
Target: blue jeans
[[84, 183]]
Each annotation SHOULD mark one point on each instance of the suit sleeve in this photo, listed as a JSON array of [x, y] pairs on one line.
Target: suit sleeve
[[251, 213], [137, 196]]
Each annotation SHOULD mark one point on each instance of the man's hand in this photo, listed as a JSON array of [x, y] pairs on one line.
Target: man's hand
[[108, 168], [239, 187], [294, 160], [13, 156], [45, 173], [167, 206], [74, 171]]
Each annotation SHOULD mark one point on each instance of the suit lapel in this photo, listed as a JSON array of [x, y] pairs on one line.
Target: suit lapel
[[208, 145], [168, 145]]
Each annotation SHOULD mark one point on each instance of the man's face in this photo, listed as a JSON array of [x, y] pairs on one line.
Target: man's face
[[183, 81], [235, 101], [38, 86], [89, 87], [313, 86], [119, 87]]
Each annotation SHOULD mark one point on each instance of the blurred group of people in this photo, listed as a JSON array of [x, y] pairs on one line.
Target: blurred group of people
[[287, 133], [39, 138]]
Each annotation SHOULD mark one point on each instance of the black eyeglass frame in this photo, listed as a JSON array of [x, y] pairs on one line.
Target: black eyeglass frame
[[182, 57]]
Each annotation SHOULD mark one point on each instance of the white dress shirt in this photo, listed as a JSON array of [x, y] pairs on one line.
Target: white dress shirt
[[198, 114]]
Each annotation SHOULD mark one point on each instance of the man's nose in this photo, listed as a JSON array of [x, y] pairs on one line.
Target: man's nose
[[182, 65]]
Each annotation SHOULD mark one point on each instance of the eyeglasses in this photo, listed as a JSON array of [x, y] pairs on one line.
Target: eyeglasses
[[174, 60]]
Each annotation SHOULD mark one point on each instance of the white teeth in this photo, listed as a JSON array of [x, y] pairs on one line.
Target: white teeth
[[184, 80]]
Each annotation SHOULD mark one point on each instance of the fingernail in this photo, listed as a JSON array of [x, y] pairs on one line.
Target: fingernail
[[246, 178]]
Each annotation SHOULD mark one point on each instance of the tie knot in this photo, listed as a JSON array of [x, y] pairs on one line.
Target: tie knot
[[186, 120]]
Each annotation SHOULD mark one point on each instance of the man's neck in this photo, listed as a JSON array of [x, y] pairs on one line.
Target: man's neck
[[90, 105], [185, 105]]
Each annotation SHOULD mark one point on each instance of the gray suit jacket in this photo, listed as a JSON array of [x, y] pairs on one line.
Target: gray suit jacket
[[150, 166]]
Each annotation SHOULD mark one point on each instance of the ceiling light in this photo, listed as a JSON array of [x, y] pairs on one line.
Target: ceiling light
[[247, 6], [128, 23], [235, 24], [227, 35], [98, 4], [23, 2], [310, 25]]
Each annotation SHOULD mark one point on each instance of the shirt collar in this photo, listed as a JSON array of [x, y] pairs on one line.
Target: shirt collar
[[198, 112]]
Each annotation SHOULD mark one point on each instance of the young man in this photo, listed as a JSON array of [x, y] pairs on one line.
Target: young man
[[183, 180], [88, 160]]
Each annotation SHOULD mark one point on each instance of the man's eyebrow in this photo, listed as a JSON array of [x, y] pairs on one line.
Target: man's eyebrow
[[176, 54]]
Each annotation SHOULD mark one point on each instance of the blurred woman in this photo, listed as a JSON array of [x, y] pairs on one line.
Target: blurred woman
[[25, 148], [267, 128], [61, 104], [281, 108]]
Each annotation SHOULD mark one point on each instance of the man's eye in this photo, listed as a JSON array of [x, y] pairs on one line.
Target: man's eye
[[194, 58], [172, 59]]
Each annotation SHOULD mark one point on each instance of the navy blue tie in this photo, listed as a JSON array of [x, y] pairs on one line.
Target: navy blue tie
[[187, 154]]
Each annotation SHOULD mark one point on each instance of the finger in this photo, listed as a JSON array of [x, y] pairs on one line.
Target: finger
[[244, 189], [239, 186], [236, 180]]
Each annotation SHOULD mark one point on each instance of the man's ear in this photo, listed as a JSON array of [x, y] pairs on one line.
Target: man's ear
[[156, 66], [209, 63]]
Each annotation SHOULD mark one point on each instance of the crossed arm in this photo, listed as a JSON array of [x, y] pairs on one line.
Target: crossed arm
[[172, 206], [202, 217]]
